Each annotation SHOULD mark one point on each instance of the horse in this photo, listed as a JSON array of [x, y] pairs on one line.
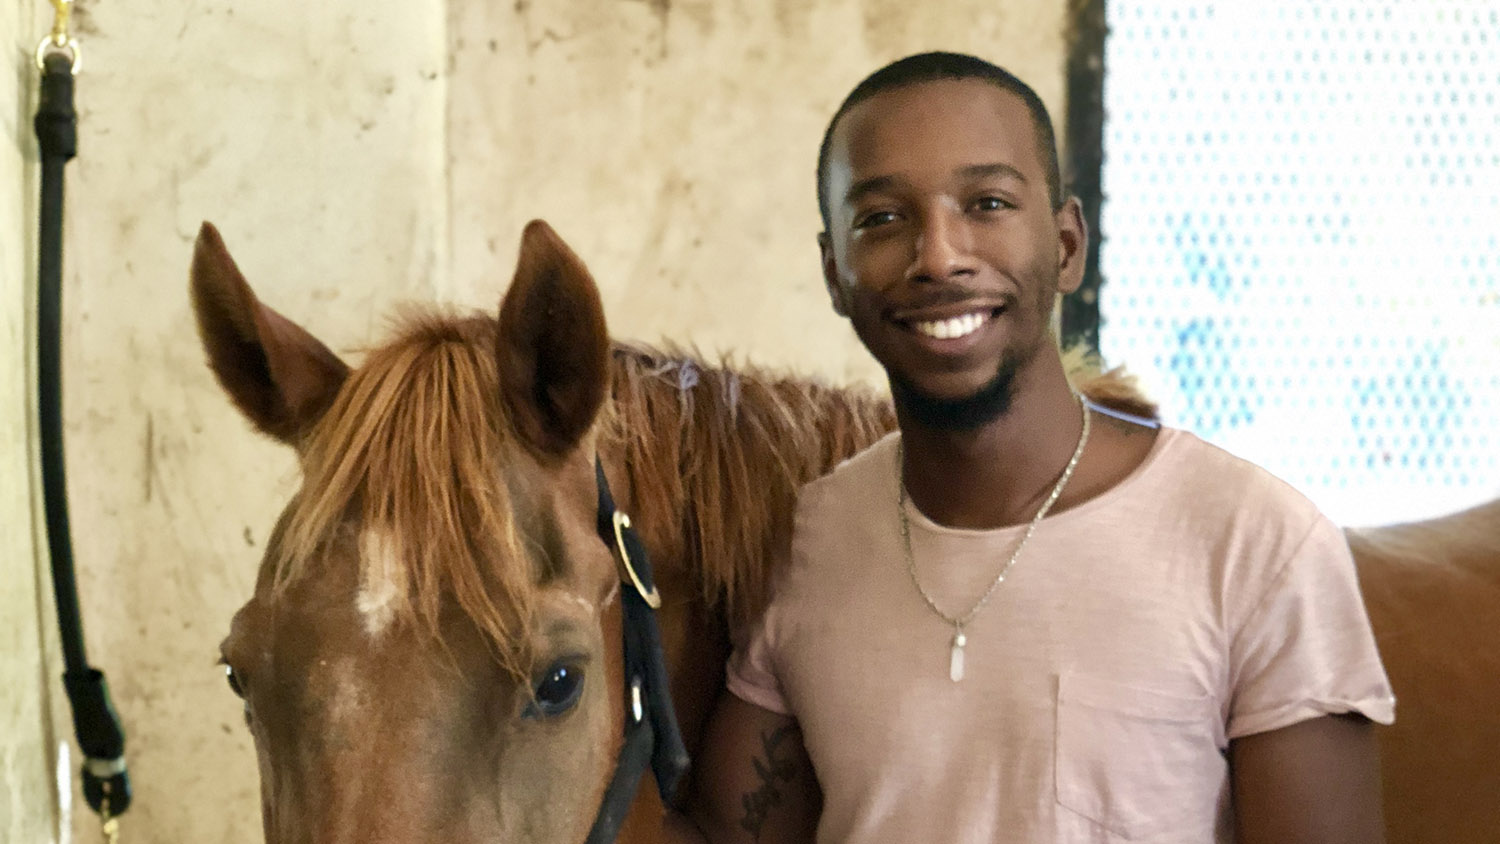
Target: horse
[[1432, 589], [431, 651]]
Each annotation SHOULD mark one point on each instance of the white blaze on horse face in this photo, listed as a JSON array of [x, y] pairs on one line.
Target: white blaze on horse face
[[380, 581], [348, 696]]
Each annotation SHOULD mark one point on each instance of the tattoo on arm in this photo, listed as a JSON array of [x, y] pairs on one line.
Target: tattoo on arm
[[773, 772]]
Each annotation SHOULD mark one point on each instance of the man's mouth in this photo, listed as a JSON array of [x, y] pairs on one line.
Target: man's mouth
[[954, 327]]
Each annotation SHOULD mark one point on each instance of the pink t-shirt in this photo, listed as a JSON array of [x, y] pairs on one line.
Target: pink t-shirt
[[1198, 601]]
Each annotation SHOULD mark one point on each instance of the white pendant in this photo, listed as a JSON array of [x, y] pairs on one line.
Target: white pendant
[[956, 657]]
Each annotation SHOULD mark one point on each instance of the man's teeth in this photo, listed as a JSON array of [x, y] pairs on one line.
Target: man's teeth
[[954, 327]]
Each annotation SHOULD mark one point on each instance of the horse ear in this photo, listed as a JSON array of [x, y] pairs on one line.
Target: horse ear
[[553, 347], [281, 377]]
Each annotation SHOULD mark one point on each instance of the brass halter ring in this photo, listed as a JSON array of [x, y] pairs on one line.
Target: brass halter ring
[[650, 596]]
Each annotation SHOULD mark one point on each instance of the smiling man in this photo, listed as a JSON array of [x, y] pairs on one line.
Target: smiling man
[[1023, 618]]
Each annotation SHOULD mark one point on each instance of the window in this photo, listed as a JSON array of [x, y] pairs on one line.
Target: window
[[1301, 252]]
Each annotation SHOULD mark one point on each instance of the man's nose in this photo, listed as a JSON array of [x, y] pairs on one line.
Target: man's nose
[[943, 249]]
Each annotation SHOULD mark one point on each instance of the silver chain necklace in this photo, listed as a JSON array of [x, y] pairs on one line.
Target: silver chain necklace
[[959, 622]]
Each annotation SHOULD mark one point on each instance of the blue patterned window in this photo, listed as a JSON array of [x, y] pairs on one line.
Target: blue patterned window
[[1301, 250]]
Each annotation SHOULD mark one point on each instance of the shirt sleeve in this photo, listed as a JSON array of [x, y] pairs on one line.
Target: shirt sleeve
[[751, 673], [1306, 649]]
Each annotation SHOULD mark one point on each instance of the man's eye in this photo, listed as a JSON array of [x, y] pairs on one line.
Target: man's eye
[[878, 218], [992, 203]]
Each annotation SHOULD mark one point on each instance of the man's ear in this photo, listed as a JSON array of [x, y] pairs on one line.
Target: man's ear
[[831, 275], [1072, 245]]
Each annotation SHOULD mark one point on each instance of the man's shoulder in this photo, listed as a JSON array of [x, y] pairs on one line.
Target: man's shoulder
[[833, 528], [1198, 461], [874, 467], [1209, 483]]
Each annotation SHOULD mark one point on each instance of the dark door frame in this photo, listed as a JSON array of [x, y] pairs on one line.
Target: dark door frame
[[1084, 164]]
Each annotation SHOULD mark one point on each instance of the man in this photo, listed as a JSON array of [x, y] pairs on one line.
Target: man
[[1022, 618]]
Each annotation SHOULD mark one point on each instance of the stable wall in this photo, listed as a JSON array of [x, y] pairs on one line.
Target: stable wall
[[356, 156]]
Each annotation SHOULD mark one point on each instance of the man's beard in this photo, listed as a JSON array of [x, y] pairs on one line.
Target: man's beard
[[965, 413]]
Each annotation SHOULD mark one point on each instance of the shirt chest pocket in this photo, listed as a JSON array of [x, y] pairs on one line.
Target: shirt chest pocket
[[1139, 762]]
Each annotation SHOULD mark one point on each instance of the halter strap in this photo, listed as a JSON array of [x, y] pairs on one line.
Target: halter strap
[[652, 737]]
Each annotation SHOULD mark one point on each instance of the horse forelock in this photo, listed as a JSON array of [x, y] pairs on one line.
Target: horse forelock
[[409, 457]]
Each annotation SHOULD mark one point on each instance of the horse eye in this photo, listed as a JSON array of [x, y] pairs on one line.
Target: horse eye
[[557, 691], [234, 681]]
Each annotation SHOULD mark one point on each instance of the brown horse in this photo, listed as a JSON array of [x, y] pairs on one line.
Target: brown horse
[[1433, 591], [432, 649]]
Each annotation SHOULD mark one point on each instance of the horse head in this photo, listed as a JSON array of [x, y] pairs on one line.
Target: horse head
[[424, 656]]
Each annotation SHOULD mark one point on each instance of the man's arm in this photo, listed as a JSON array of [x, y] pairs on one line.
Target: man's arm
[[752, 779], [1315, 782]]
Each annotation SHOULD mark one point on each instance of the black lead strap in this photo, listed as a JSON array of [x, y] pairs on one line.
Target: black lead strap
[[106, 783], [652, 736]]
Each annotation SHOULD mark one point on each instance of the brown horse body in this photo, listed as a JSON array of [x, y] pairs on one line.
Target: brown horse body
[[439, 572], [1433, 592]]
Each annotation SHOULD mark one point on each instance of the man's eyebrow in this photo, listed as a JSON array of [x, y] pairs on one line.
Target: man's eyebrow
[[980, 171], [864, 187], [875, 184]]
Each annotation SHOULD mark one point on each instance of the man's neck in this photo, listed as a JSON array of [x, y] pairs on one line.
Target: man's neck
[[999, 473]]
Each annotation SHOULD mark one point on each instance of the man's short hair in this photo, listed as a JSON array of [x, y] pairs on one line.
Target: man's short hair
[[932, 67]]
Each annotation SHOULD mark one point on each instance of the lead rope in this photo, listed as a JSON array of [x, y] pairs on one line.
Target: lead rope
[[106, 781]]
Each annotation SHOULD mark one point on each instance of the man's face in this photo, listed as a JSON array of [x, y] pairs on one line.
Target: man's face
[[943, 248]]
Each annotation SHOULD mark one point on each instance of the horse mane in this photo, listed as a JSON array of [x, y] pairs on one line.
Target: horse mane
[[412, 450], [1113, 388], [716, 454]]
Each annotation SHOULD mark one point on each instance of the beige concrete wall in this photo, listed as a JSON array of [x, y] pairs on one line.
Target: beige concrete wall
[[28, 808], [356, 155]]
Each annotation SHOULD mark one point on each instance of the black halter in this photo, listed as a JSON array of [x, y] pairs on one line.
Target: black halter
[[652, 736]]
